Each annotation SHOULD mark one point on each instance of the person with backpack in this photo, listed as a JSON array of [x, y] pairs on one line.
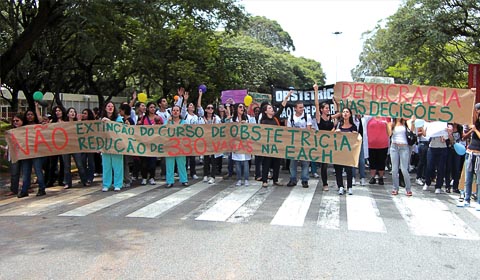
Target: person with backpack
[[299, 119]]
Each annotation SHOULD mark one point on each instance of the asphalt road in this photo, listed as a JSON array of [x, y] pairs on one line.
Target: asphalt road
[[225, 232]]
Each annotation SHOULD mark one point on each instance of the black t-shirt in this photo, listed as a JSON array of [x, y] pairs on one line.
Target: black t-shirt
[[325, 125]]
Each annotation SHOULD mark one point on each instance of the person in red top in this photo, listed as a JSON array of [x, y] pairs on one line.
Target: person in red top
[[378, 142]]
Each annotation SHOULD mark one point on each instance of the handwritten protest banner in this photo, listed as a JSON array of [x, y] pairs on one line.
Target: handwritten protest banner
[[307, 97], [183, 140], [424, 102]]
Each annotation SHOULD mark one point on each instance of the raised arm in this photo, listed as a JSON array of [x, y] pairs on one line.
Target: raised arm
[[317, 105], [134, 98]]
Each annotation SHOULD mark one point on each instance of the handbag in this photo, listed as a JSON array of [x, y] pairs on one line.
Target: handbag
[[411, 136]]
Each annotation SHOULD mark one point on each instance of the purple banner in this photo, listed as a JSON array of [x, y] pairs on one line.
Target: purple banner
[[237, 95]]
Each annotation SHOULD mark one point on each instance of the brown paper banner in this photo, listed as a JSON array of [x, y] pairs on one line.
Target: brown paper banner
[[429, 103], [183, 140]]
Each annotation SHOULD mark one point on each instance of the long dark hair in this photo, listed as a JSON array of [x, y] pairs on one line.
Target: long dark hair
[[35, 117], [90, 115], [68, 110], [235, 112], [350, 119], [54, 114]]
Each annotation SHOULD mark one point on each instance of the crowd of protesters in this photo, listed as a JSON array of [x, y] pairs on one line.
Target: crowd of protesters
[[385, 148]]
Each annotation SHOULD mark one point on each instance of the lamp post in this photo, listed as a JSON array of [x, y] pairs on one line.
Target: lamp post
[[336, 33]]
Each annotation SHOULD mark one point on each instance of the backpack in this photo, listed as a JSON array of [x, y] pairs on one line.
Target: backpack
[[304, 117]]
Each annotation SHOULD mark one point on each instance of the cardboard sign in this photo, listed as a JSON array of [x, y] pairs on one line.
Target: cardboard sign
[[422, 102], [183, 140]]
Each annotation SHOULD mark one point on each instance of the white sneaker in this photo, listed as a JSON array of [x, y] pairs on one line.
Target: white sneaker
[[341, 191], [195, 177], [247, 183], [205, 178], [144, 182], [419, 182], [151, 181], [315, 175], [104, 189], [362, 181], [350, 191], [116, 189], [438, 191], [354, 182], [425, 187], [211, 181], [239, 183]]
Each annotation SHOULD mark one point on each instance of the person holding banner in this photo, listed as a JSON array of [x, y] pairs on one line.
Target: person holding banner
[[111, 163], [270, 117], [241, 160], [208, 116], [400, 155], [299, 119], [15, 167], [325, 122], [31, 118], [440, 139], [77, 157], [189, 117], [148, 164], [180, 160], [472, 156], [345, 125]]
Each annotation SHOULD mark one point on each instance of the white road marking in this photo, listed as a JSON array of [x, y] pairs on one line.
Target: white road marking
[[108, 201], [296, 205], [39, 206], [329, 214], [225, 208], [431, 217], [363, 213], [161, 206]]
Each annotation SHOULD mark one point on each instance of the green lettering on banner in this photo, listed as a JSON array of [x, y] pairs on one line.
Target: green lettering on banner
[[79, 127], [81, 143], [328, 155], [289, 150]]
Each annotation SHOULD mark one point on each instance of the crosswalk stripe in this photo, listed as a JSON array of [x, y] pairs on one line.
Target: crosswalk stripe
[[39, 206], [295, 207], [431, 217], [247, 210], [161, 206], [106, 202], [363, 213], [225, 208], [329, 214]]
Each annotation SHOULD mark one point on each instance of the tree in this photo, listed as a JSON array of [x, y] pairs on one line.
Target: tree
[[427, 42]]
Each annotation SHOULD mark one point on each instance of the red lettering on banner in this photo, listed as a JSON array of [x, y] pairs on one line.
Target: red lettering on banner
[[346, 87], [54, 138], [417, 95], [454, 98], [387, 94], [16, 145], [40, 139]]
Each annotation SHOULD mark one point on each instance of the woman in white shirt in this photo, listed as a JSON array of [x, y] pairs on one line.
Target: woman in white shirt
[[241, 160]]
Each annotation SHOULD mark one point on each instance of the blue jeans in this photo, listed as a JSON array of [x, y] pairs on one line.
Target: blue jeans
[[452, 169], [27, 165], [242, 169], [293, 170], [400, 157], [67, 165], [15, 176], [436, 160], [361, 165], [422, 159], [472, 166], [88, 161]]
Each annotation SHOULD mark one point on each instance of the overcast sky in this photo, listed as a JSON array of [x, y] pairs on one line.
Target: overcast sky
[[311, 23]]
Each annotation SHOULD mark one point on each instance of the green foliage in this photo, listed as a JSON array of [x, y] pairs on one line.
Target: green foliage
[[427, 42]]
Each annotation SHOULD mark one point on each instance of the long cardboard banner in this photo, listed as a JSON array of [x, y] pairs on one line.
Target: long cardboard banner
[[183, 140], [429, 103]]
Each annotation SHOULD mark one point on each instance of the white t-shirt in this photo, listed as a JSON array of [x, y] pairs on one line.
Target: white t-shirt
[[300, 122]]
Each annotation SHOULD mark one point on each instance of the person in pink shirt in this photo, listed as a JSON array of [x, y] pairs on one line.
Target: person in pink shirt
[[378, 142]]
